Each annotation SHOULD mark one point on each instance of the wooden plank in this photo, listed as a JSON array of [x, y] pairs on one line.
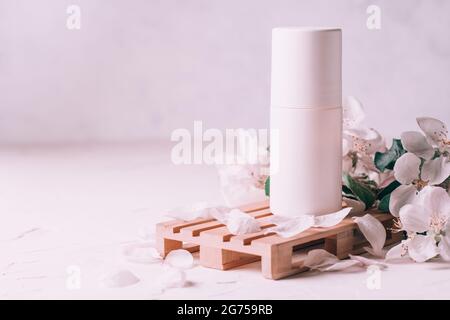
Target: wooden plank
[[176, 225], [195, 230], [217, 258], [246, 239]]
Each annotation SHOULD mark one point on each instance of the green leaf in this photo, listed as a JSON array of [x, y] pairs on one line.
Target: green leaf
[[387, 159], [363, 193], [347, 192], [387, 190], [383, 206], [267, 186]]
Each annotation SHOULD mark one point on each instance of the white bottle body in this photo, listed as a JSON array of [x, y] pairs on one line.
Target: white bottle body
[[306, 121], [306, 161]]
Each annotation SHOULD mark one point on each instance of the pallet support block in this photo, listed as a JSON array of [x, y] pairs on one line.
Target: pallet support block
[[341, 244], [223, 259]]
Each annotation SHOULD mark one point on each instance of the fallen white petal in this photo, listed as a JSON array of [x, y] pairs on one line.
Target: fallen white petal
[[365, 262], [219, 213], [171, 278], [291, 226], [331, 219], [287, 227], [374, 232], [416, 143], [179, 258], [407, 168], [141, 253], [322, 260], [119, 279], [340, 265], [237, 222], [319, 258]]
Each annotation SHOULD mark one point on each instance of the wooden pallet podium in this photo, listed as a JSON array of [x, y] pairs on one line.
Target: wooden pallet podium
[[280, 257]]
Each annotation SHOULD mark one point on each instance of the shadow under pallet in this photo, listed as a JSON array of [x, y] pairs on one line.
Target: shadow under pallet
[[280, 257]]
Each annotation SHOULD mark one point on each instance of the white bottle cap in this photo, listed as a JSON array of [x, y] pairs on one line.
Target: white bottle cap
[[306, 67]]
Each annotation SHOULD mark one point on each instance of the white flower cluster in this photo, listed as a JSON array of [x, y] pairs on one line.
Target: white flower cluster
[[422, 202]]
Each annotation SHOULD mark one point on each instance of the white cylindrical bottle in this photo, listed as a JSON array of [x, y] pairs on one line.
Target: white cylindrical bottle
[[306, 121]]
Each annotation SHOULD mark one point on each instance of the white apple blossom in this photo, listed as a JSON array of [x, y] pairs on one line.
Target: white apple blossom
[[436, 138], [426, 221], [243, 178], [359, 142], [415, 174]]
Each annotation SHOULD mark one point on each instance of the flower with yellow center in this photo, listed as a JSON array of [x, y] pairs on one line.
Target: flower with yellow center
[[415, 174]]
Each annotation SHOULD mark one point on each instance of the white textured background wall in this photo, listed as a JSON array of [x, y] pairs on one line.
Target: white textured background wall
[[138, 69]]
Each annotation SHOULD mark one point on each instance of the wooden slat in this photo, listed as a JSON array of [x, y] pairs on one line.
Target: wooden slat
[[318, 233], [246, 239], [223, 250], [176, 225], [222, 234], [195, 230]]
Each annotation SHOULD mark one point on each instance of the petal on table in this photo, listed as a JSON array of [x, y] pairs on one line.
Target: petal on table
[[291, 227], [319, 258], [368, 262], [180, 258], [341, 265], [119, 279], [374, 232], [171, 278], [239, 222], [331, 219], [141, 252]]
